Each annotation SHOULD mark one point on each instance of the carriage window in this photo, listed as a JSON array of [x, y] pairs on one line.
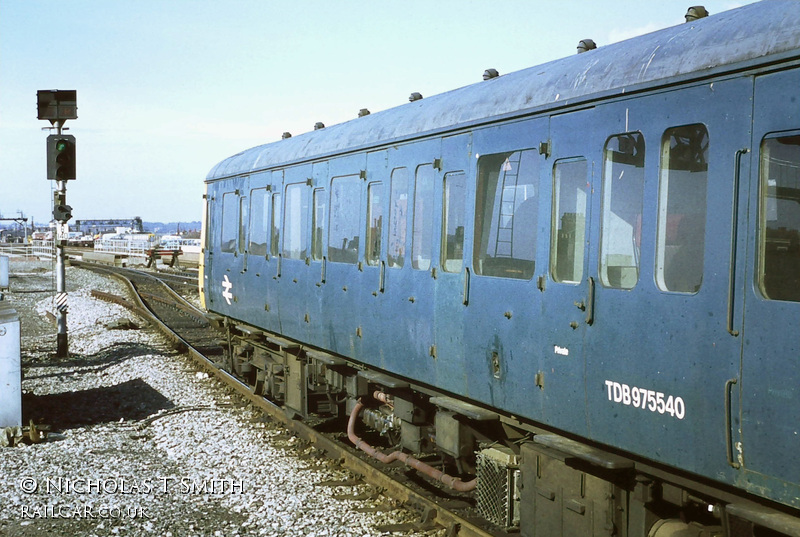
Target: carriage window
[[398, 216], [779, 229], [623, 196], [568, 228], [343, 233], [682, 209], [230, 222], [505, 215], [455, 186], [422, 234], [243, 224], [275, 234], [295, 233], [318, 223], [259, 205], [374, 222]]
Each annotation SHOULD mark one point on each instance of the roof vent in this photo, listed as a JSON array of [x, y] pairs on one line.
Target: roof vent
[[696, 12], [490, 74], [586, 44], [286, 135], [319, 125], [416, 96], [363, 112]]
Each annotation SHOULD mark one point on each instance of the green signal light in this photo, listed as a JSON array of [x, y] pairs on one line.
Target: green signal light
[[61, 157]]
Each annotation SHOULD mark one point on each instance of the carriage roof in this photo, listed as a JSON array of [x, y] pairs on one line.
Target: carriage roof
[[752, 35]]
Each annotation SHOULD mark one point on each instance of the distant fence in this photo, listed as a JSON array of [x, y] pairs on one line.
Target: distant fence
[[135, 250], [43, 248], [36, 249]]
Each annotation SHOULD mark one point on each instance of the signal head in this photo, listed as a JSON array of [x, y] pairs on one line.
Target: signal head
[[61, 211], [61, 157]]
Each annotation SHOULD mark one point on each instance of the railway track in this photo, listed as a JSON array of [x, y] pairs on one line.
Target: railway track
[[193, 333]]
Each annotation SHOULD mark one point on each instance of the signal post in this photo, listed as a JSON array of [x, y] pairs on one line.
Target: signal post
[[58, 106]]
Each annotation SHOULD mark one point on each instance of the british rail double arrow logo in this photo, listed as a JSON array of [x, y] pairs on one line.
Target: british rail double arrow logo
[[228, 285]]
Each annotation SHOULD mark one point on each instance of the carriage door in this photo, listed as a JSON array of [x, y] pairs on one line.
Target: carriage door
[[408, 280], [770, 384], [506, 250], [345, 246], [228, 230], [207, 233], [319, 254], [296, 280], [451, 274], [568, 298], [372, 291]]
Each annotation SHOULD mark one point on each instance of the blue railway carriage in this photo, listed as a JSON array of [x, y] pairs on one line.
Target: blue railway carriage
[[578, 285]]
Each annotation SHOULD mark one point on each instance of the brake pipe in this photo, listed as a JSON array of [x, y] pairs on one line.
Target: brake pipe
[[448, 480]]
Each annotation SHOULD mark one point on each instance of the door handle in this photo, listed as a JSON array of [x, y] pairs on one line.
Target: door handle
[[382, 276], [729, 423], [465, 299], [590, 303], [734, 225]]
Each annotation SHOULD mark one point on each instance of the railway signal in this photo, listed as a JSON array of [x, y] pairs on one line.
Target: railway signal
[[61, 211], [57, 106], [61, 157]]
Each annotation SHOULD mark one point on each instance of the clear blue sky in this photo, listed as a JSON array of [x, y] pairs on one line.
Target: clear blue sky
[[168, 88]]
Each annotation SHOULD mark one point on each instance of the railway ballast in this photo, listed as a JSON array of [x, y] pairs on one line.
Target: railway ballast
[[143, 443]]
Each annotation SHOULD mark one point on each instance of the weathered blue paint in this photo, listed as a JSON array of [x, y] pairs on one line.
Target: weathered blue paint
[[525, 347]]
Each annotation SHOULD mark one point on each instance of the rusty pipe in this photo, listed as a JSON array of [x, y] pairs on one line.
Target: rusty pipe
[[448, 480]]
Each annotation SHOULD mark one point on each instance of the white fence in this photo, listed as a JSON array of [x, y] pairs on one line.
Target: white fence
[[43, 248], [37, 249], [129, 247]]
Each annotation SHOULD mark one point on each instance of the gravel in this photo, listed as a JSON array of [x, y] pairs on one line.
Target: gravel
[[143, 444]]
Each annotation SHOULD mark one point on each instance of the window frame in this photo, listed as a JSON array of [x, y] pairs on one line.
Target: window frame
[[263, 194], [373, 239], [664, 228], [609, 232], [244, 221], [422, 220], [318, 223], [229, 228], [398, 227], [458, 242], [764, 210], [294, 224], [275, 224], [338, 221], [489, 208], [578, 245]]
